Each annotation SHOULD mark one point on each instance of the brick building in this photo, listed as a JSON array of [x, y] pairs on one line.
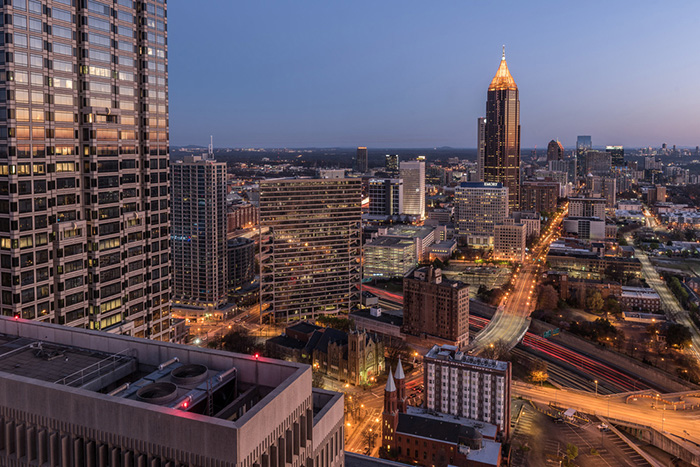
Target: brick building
[[539, 196], [422, 437], [435, 306]]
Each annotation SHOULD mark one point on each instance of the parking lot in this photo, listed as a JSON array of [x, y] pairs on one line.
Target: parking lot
[[539, 440]]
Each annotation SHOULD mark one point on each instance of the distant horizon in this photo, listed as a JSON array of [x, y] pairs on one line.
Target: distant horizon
[[370, 148]]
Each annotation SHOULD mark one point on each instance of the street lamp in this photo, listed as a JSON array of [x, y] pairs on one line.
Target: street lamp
[[596, 387]]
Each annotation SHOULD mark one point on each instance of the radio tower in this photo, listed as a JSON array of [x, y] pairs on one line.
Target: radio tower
[[210, 154]]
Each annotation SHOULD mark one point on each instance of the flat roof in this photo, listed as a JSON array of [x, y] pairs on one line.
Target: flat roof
[[391, 242], [452, 353]]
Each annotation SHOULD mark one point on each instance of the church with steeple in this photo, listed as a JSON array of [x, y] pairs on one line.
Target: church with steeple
[[417, 436]]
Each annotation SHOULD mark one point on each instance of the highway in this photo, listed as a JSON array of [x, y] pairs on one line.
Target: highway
[[680, 423], [671, 307], [511, 320]]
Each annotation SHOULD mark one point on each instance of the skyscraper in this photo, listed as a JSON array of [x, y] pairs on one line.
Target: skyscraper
[[361, 160], [555, 151], [502, 155], [583, 145], [480, 147], [617, 155], [200, 260], [386, 196], [391, 164], [413, 175], [311, 254], [84, 176], [479, 207]]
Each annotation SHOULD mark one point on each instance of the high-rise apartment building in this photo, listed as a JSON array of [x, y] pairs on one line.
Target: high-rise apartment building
[[583, 145], [480, 148], [199, 229], [555, 151], [597, 162], [97, 399], [84, 171], [539, 196], [436, 306], [311, 254], [502, 155], [467, 386], [617, 155], [361, 163], [479, 207], [413, 175], [391, 164], [385, 196]]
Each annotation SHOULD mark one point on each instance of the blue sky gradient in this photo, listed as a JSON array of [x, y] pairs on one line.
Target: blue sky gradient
[[404, 73]]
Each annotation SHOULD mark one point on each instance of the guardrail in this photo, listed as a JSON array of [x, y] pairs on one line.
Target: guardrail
[[97, 369]]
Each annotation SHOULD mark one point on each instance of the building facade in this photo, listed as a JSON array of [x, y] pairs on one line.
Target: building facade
[[480, 148], [466, 386], [385, 196], [391, 164], [583, 145], [84, 165], [178, 401], [436, 306], [587, 207], [389, 257], [241, 264], [361, 162], [540, 196], [241, 216], [479, 207], [199, 222], [617, 155], [555, 151], [310, 261], [502, 154], [413, 175], [510, 241]]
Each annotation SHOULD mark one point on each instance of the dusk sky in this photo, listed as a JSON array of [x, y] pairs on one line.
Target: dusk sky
[[400, 73]]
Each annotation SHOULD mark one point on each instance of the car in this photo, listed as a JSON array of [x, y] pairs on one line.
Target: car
[[603, 427], [558, 420]]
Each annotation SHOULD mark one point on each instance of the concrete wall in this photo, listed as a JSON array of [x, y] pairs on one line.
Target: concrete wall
[[329, 432]]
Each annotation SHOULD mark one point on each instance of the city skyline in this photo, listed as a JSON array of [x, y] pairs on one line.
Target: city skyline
[[413, 76]]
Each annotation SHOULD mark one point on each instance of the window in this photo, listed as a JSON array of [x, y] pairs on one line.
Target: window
[[19, 21], [60, 65], [98, 23], [20, 40], [99, 39], [74, 282]]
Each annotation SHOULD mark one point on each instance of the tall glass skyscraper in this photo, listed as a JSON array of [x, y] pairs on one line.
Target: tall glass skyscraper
[[583, 145], [502, 134], [84, 177]]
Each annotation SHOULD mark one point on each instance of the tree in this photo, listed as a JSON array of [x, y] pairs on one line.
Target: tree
[[548, 298], [571, 453], [397, 349], [612, 306], [238, 340], [594, 301], [370, 436], [497, 351], [316, 379], [538, 371], [678, 335]]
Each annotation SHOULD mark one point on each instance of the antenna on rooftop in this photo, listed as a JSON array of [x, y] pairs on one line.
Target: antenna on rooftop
[[210, 154]]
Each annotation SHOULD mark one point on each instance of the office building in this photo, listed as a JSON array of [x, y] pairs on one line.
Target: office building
[[480, 206], [617, 155], [199, 229], [509, 242], [585, 228], [587, 207], [435, 306], [419, 436], [241, 264], [311, 253], [361, 163], [555, 151], [540, 196], [467, 386], [413, 175], [502, 156], [385, 196], [583, 145], [391, 164], [609, 191], [480, 148], [155, 403], [84, 166]]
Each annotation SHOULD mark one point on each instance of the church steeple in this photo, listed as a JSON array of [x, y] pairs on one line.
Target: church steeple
[[400, 387], [390, 416]]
